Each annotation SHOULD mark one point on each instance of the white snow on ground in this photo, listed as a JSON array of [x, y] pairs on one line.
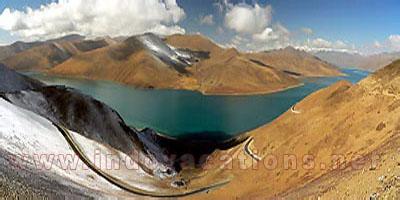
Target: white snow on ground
[[126, 169], [161, 49], [23, 132]]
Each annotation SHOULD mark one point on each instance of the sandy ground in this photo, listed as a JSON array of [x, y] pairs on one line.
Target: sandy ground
[[371, 182], [32, 185], [344, 120]]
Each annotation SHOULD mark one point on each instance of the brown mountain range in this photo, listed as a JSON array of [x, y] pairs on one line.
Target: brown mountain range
[[356, 126], [355, 60], [296, 62], [18, 47], [45, 55], [190, 62], [127, 62], [289, 60], [222, 71]]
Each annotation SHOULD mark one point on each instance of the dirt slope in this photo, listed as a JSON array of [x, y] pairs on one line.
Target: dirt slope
[[127, 62], [296, 62], [216, 70], [49, 54], [350, 121], [355, 60], [223, 71]]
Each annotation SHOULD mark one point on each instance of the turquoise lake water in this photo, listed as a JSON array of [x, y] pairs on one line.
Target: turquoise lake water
[[181, 113]]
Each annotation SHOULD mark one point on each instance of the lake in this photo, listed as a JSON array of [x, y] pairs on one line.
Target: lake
[[183, 114]]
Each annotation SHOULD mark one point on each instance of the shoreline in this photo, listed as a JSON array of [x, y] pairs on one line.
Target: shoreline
[[271, 91], [251, 93], [171, 88]]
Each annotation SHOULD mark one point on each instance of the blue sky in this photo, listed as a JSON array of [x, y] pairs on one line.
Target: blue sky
[[367, 26], [358, 21]]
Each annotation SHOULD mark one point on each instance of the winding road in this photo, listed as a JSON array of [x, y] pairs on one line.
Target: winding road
[[248, 151], [293, 109], [119, 183]]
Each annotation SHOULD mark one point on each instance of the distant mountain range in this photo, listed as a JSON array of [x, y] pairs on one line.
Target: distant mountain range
[[18, 47], [41, 56], [355, 60], [294, 61], [190, 62]]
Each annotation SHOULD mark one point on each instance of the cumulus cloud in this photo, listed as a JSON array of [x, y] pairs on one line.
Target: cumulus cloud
[[319, 44], [394, 42], [94, 18], [274, 37], [253, 22], [265, 36], [248, 19], [208, 19]]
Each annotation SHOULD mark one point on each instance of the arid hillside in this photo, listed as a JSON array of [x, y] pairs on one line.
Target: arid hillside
[[195, 42], [289, 60], [127, 62], [192, 63], [355, 60], [20, 46], [48, 54], [338, 124], [296, 62]]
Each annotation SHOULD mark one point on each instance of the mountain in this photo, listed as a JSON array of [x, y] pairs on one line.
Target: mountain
[[196, 42], [38, 119], [350, 121], [45, 55], [18, 47], [11, 81], [296, 62], [128, 62], [177, 62], [355, 60], [190, 62]]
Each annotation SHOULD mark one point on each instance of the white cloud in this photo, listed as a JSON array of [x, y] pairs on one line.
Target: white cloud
[[94, 18], [247, 19], [265, 36], [164, 30], [321, 44], [208, 19], [274, 37], [394, 42], [318, 43], [252, 22]]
